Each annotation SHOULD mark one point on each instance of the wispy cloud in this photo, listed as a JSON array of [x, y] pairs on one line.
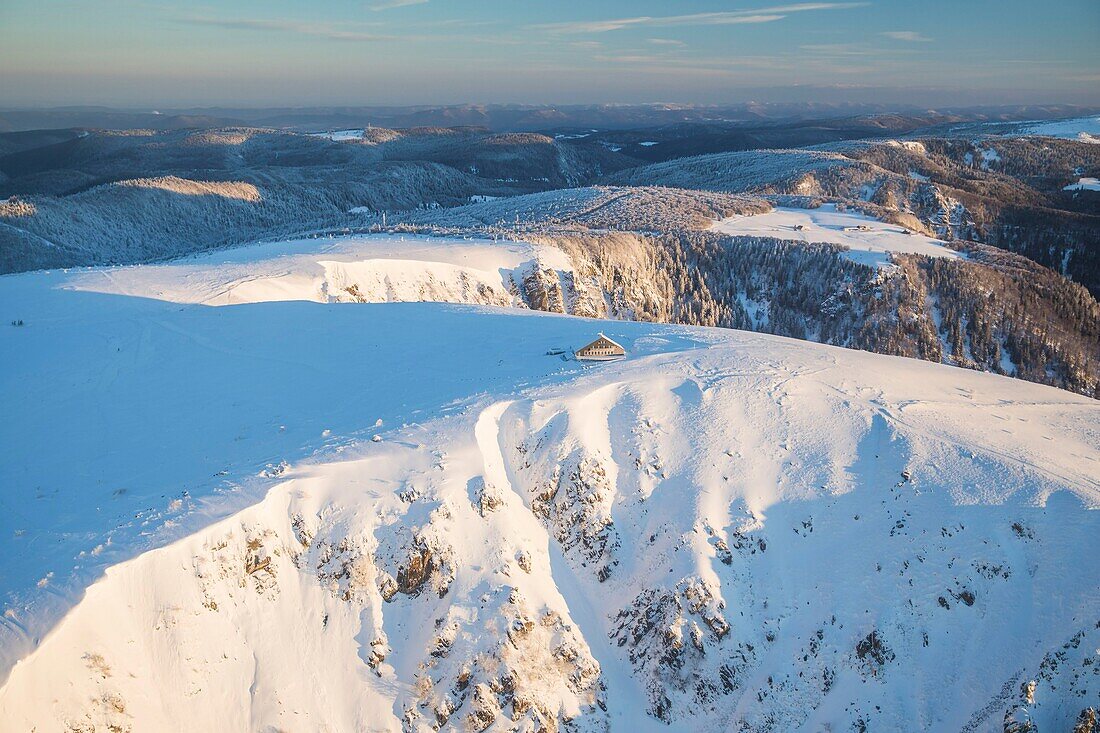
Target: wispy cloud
[[709, 63], [853, 50], [665, 42], [907, 36], [318, 30], [837, 49], [390, 4], [732, 17], [604, 26]]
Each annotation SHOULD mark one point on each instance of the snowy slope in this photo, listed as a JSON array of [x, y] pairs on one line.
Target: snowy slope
[[724, 527], [340, 135], [871, 245], [1082, 129], [1084, 184], [370, 268], [114, 363]]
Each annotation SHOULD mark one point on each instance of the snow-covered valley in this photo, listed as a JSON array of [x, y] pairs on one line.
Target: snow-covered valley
[[312, 508]]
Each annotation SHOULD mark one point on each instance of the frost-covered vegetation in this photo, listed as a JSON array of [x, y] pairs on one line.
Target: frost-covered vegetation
[[142, 195], [1005, 314], [996, 312], [764, 171], [137, 221], [623, 208], [1007, 192], [113, 197]]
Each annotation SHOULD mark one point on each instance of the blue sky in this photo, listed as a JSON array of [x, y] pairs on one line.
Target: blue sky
[[358, 52]]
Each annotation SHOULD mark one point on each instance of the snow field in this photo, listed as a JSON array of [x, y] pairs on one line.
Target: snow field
[[869, 241]]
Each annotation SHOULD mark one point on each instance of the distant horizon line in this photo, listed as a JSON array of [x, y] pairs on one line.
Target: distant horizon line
[[154, 109]]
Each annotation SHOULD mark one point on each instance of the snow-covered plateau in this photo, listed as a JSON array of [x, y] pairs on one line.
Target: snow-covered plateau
[[341, 135], [1084, 184], [869, 241], [251, 491], [1082, 129]]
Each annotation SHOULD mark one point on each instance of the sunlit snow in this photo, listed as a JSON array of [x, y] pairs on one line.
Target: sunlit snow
[[870, 241], [1083, 129], [1084, 184], [213, 471]]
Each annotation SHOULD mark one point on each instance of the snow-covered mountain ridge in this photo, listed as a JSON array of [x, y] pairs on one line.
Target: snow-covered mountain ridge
[[351, 269], [726, 531], [842, 278]]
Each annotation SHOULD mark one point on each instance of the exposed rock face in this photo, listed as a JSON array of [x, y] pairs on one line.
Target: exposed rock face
[[873, 654], [574, 502], [486, 497], [542, 289], [412, 576], [563, 290], [668, 635], [1087, 721]]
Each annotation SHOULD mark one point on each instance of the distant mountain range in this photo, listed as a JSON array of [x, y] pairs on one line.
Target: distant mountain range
[[524, 118], [106, 197]]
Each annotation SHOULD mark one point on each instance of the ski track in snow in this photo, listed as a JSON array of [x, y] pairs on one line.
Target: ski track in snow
[[160, 450]]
